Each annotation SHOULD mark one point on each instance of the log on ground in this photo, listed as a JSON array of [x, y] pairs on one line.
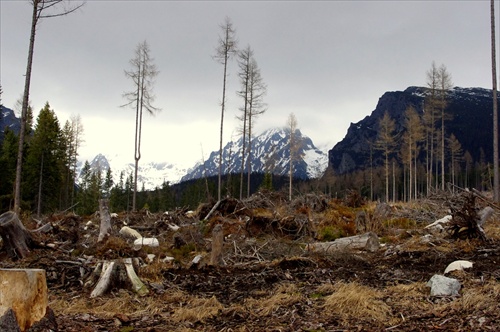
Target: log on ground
[[367, 241]]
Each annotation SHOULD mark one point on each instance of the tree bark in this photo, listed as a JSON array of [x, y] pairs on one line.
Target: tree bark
[[217, 243], [367, 241], [105, 228], [17, 240]]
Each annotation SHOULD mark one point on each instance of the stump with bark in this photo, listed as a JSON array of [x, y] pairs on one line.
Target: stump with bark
[[17, 240]]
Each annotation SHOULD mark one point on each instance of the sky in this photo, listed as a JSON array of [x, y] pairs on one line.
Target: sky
[[328, 62]]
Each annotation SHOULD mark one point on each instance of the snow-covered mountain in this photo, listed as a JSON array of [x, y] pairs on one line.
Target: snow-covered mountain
[[150, 174], [270, 152]]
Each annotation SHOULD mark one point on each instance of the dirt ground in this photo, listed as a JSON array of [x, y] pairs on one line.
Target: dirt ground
[[268, 281]]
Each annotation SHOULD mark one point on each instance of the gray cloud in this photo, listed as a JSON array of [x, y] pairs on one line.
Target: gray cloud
[[326, 61]]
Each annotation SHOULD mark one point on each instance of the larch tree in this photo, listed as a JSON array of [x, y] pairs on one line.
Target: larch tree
[[293, 149], [142, 74], [456, 156], [244, 60], [430, 117], [225, 50], [256, 107], [496, 181], [41, 9], [413, 135], [385, 142], [445, 84]]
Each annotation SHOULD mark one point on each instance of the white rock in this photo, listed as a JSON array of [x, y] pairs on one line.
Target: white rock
[[114, 215], [458, 265], [150, 257], [443, 286], [168, 259]]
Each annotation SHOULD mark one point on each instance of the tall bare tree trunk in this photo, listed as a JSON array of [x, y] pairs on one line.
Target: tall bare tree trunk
[[496, 189], [24, 111]]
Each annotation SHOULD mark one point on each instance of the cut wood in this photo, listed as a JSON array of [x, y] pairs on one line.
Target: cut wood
[[217, 243], [105, 229], [137, 285], [110, 274], [17, 240], [25, 292], [367, 241]]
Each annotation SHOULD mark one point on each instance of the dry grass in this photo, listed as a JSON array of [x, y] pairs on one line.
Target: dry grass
[[197, 309], [355, 301], [107, 307], [284, 295]]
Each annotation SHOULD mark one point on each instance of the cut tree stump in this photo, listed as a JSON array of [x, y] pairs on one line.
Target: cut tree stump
[[367, 241], [113, 272], [105, 229], [17, 240], [24, 291], [217, 243]]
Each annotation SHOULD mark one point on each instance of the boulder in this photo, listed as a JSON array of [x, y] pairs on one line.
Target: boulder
[[443, 286]]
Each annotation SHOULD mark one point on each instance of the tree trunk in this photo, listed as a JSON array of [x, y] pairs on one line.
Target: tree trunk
[[24, 296], [217, 243], [368, 241], [17, 240], [105, 228]]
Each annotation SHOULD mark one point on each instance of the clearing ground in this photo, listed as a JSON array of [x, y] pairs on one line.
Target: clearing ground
[[268, 281]]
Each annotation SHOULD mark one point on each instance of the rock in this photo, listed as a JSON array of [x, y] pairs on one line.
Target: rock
[[458, 265], [130, 232], [443, 286]]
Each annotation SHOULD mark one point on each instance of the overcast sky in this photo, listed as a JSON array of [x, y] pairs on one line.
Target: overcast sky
[[328, 62]]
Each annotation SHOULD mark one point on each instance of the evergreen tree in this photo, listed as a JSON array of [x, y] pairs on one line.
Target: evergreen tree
[[7, 169], [45, 163]]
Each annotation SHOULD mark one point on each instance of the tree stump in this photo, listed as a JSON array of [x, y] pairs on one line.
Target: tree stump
[[367, 241], [105, 228], [17, 240], [110, 273], [217, 243], [24, 292]]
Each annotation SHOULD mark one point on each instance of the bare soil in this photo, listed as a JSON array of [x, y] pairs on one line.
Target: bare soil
[[268, 281]]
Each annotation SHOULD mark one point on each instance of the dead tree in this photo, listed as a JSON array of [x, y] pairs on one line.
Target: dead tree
[[17, 240], [105, 219]]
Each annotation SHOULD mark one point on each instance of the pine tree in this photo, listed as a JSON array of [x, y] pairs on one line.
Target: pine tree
[[45, 163]]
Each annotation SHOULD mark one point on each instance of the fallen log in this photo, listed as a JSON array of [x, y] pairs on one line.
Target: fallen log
[[367, 241], [23, 295]]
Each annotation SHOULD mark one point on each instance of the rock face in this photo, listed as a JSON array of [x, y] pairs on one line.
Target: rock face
[[471, 117]]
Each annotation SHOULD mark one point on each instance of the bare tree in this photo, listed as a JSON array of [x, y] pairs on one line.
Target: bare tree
[[413, 135], [385, 142], [456, 156], [142, 74], [256, 107], [225, 50], [41, 9], [244, 60], [292, 127], [496, 185], [445, 84]]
